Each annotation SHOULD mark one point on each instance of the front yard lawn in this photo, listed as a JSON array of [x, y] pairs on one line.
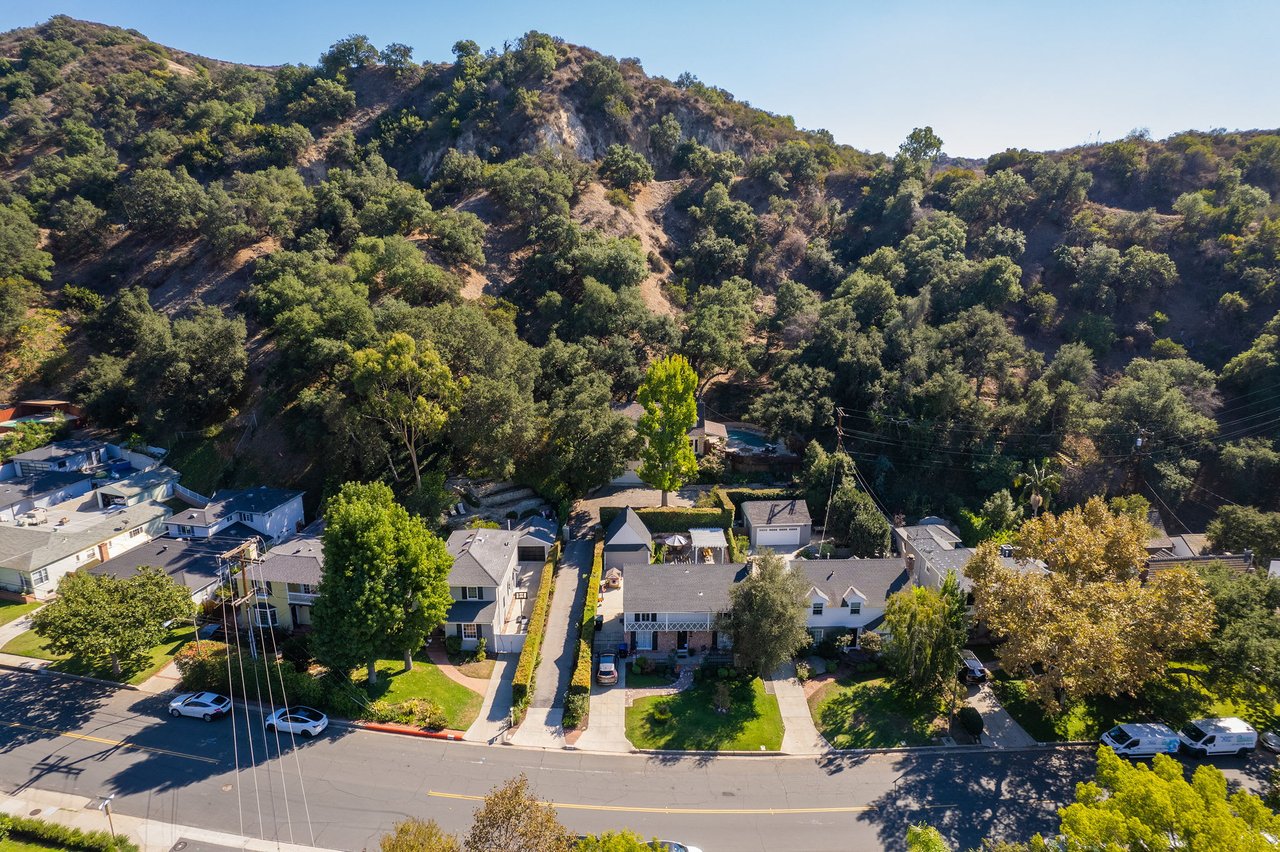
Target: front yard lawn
[[869, 711], [1187, 691], [395, 685], [11, 610], [753, 720], [28, 644]]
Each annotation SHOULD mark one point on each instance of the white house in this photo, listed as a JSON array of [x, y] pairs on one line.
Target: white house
[[849, 595], [780, 524], [139, 487], [22, 494], [627, 541], [35, 553], [491, 589], [61, 456], [273, 513]]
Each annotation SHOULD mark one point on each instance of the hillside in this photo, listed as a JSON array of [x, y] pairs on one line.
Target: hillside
[[228, 260]]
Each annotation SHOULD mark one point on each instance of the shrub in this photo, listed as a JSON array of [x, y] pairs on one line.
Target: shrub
[[453, 645], [61, 837], [576, 705], [619, 198], [577, 701], [722, 672], [802, 671], [971, 721], [480, 650], [527, 665], [297, 650], [661, 713], [643, 665]]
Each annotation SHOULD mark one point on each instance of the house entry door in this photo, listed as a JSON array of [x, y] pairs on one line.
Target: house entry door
[[682, 640]]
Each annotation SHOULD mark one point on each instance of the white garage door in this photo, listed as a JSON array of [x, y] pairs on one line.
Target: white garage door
[[774, 536]]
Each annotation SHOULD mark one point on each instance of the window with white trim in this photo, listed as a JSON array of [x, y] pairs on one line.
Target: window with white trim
[[40, 576], [135, 532], [472, 593], [470, 631], [645, 616], [817, 607], [644, 640], [855, 607]]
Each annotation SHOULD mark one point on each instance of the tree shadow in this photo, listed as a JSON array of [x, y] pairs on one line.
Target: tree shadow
[[974, 796], [689, 720], [37, 706], [863, 711]]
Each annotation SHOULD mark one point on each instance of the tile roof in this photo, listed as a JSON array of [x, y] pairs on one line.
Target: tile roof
[[776, 512], [680, 587]]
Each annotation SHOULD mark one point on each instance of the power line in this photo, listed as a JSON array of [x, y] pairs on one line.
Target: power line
[[244, 690]]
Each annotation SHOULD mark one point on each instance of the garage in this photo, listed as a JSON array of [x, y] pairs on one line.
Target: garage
[[778, 536], [778, 524]]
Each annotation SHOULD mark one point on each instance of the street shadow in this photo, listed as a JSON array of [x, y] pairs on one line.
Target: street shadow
[[835, 762], [975, 796], [37, 706]]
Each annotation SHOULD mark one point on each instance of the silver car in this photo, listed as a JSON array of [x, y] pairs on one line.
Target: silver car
[[200, 705], [305, 721]]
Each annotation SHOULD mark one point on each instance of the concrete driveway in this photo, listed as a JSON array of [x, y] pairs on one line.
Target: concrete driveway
[[607, 725]]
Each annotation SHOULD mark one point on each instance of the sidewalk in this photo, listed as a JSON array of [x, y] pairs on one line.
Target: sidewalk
[[492, 721], [150, 835], [1001, 730], [799, 734], [11, 630]]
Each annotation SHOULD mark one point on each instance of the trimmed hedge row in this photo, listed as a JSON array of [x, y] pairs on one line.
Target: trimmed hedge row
[[63, 837], [674, 519], [577, 702], [527, 665], [737, 496]]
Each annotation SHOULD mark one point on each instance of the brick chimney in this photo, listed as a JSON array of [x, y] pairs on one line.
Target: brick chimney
[[911, 564]]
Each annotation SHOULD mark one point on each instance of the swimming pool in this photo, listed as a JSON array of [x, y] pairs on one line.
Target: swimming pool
[[746, 438]]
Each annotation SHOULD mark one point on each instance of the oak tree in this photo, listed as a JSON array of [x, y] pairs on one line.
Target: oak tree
[[512, 819]]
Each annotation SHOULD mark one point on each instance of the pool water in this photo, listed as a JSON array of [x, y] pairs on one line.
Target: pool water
[[745, 438]]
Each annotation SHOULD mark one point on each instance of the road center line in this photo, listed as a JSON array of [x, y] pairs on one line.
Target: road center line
[[568, 806], [119, 743]]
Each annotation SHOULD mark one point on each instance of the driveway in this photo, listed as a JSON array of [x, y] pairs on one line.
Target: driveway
[[799, 734], [1000, 729], [607, 725], [559, 648]]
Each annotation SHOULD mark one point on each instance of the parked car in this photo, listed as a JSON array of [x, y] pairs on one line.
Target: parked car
[[1141, 739], [607, 669], [671, 846], [1203, 737], [200, 705], [971, 668], [298, 720], [1270, 741]]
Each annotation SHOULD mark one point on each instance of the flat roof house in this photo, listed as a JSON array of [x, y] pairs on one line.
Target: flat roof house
[[60, 456], [782, 524], [22, 494], [274, 513], [673, 608], [36, 554]]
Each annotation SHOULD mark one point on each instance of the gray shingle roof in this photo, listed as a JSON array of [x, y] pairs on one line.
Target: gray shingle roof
[[14, 491], [482, 557], [59, 450], [764, 513], [298, 560], [30, 547], [680, 587], [471, 612], [876, 579], [627, 518], [224, 503], [193, 563]]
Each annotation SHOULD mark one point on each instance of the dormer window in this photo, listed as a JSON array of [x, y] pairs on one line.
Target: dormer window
[[817, 607], [855, 607]]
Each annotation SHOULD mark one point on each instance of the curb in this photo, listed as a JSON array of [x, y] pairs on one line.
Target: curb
[[408, 731], [45, 670]]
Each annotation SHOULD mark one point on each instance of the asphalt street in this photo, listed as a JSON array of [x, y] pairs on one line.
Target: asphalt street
[[347, 787]]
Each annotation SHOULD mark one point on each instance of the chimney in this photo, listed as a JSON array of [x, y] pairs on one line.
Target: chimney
[[911, 564]]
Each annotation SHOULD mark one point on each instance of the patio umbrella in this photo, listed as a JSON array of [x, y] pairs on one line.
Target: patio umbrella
[[676, 540]]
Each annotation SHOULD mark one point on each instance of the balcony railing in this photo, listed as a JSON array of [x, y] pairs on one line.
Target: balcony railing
[[673, 621], [302, 598]]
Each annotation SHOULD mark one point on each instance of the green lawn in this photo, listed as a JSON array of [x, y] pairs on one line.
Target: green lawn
[[1186, 692], [868, 711], [753, 720], [28, 644], [11, 845], [11, 611], [426, 680]]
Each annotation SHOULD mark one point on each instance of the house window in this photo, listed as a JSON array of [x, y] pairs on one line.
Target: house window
[[135, 532], [264, 615], [185, 530], [40, 576], [262, 588], [816, 633], [472, 593], [646, 616], [817, 607], [644, 640], [244, 516], [470, 631], [855, 607]]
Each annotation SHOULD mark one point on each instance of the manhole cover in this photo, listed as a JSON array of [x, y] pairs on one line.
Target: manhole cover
[[728, 793], [35, 812]]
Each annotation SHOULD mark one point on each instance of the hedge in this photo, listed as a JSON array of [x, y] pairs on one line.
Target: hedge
[[674, 519], [527, 665], [737, 496], [577, 702], [63, 837]]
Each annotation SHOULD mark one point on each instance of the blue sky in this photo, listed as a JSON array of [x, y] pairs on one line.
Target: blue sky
[[986, 74]]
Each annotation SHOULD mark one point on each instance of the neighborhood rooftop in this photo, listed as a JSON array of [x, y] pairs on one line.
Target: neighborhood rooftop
[[59, 450], [15, 491], [775, 512], [682, 587], [224, 503], [25, 547], [195, 564], [481, 556], [874, 579], [297, 560]]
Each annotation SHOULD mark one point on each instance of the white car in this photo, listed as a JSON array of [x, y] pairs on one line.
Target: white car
[[672, 846], [200, 705], [298, 720]]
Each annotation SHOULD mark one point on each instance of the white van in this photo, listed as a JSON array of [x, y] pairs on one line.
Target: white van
[[1141, 739], [1203, 737]]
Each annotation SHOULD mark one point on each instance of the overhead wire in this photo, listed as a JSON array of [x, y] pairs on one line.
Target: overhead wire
[[235, 737], [244, 690]]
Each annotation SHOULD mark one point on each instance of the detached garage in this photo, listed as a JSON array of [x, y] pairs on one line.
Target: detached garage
[[779, 524]]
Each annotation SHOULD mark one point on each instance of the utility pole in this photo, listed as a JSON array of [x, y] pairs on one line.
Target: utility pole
[[1140, 448]]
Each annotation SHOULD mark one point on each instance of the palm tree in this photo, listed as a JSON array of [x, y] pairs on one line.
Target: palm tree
[[1036, 481]]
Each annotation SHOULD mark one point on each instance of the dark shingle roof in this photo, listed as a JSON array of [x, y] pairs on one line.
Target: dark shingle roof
[[13, 491], [680, 587], [298, 560], [59, 450], [763, 513], [223, 503], [629, 519], [875, 579], [482, 557], [469, 612], [193, 563]]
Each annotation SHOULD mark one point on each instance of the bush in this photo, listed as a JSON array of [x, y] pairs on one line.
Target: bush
[[297, 650], [453, 645], [61, 837], [971, 721], [577, 700], [661, 714], [802, 671], [674, 519], [480, 650], [576, 705], [722, 673], [527, 665], [619, 198], [419, 712], [643, 665]]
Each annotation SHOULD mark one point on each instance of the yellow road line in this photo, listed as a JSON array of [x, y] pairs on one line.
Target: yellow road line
[[120, 743], [850, 809]]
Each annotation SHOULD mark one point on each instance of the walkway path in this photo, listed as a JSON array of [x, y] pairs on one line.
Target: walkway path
[[1000, 731], [799, 734], [491, 723], [440, 657], [541, 726]]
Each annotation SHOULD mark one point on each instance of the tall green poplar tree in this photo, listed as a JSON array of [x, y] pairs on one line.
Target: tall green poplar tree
[[670, 411]]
